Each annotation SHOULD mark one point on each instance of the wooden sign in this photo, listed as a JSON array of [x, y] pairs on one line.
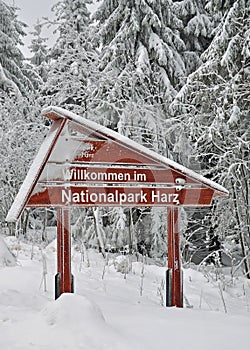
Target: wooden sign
[[81, 163], [111, 196]]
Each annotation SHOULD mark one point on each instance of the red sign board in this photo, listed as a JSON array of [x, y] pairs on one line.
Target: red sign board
[[82, 163], [119, 196]]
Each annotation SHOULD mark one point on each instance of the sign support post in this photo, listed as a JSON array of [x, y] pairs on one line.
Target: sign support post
[[174, 293], [63, 279]]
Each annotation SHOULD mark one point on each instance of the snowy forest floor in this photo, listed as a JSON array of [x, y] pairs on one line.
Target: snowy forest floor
[[111, 310]]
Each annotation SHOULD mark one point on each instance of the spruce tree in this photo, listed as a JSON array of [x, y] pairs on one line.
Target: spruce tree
[[214, 104], [197, 30], [141, 59], [13, 75], [39, 50], [72, 57]]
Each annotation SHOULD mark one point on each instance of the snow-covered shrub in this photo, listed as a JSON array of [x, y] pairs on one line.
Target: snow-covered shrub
[[6, 257]]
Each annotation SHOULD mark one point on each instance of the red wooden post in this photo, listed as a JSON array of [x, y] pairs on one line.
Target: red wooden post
[[170, 239], [177, 261], [59, 245], [63, 278], [66, 277], [174, 264]]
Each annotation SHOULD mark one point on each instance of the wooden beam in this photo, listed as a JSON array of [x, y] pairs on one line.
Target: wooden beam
[[63, 277], [174, 261]]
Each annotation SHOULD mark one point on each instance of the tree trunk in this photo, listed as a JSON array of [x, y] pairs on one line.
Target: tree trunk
[[130, 231], [246, 198], [25, 222], [44, 232], [98, 231], [241, 235]]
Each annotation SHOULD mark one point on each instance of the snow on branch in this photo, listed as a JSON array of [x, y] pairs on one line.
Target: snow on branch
[[7, 83]]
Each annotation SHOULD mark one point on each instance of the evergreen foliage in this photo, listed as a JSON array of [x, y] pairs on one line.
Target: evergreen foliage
[[215, 105], [142, 50], [21, 134], [39, 50], [196, 31], [172, 75], [14, 77], [72, 58]]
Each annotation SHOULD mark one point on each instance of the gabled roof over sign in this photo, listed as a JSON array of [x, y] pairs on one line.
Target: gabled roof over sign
[[75, 146]]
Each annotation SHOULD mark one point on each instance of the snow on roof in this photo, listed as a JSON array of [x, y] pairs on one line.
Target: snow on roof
[[54, 112]]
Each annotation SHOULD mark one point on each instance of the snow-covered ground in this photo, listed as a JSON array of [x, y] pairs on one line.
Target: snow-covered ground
[[112, 310]]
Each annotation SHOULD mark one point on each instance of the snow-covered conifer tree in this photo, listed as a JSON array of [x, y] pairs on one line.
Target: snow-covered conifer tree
[[72, 57], [13, 76], [141, 58], [39, 50], [196, 31], [215, 104]]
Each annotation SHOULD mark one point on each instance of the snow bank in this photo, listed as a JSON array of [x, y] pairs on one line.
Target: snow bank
[[110, 313], [70, 322], [74, 312]]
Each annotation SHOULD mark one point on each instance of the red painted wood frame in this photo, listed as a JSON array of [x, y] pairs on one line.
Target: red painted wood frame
[[174, 262], [64, 251]]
